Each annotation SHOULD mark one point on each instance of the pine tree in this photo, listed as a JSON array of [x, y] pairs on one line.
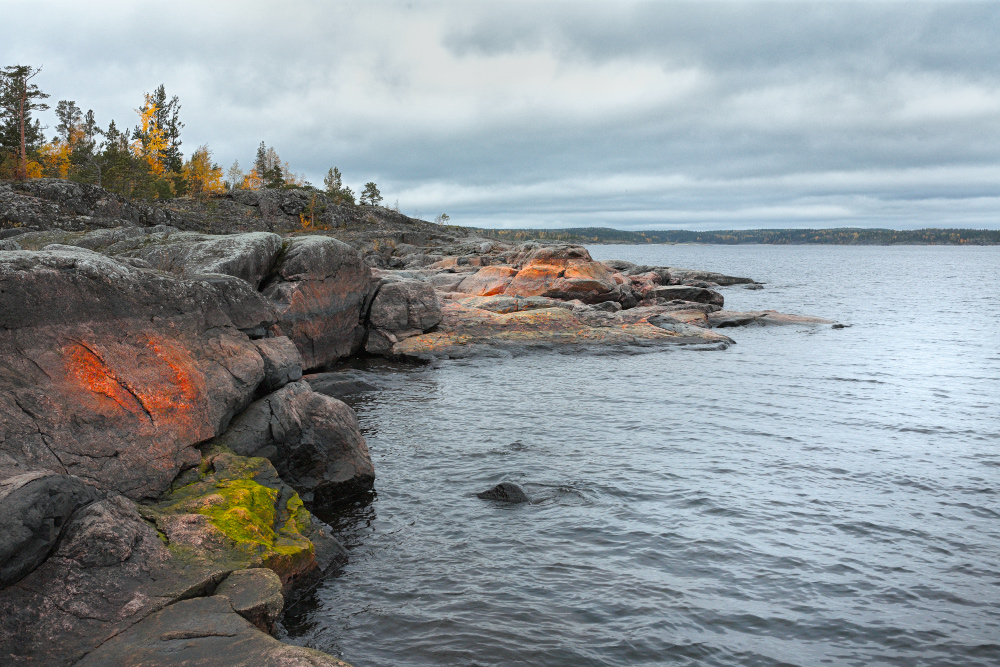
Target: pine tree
[[18, 98], [371, 195], [333, 181], [70, 120], [260, 162], [167, 120]]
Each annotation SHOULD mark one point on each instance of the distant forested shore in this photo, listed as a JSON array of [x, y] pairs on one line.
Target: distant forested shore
[[839, 236]]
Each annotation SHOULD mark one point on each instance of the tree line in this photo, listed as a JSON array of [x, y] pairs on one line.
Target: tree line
[[837, 236], [145, 162]]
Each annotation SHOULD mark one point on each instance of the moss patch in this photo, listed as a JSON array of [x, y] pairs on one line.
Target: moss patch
[[253, 517]]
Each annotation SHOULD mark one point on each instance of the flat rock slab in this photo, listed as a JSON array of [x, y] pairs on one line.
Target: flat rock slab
[[339, 384], [666, 293], [729, 318], [202, 632], [469, 331]]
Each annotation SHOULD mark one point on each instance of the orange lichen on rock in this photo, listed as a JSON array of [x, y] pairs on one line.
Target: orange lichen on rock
[[183, 386], [489, 281], [158, 380], [586, 277], [534, 280], [87, 367], [561, 277]]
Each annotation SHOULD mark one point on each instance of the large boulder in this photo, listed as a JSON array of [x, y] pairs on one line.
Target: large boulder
[[255, 594], [319, 288], [35, 507], [564, 272], [246, 256], [101, 578], [313, 440], [282, 362], [401, 309], [489, 281], [112, 373]]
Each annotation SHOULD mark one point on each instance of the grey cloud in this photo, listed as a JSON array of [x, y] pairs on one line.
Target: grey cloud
[[695, 115]]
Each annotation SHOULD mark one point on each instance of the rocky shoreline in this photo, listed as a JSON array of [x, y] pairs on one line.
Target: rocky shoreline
[[168, 420]]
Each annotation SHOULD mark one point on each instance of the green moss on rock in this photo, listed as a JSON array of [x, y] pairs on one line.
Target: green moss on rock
[[252, 516]]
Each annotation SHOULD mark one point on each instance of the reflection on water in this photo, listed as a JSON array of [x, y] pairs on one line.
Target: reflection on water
[[809, 496]]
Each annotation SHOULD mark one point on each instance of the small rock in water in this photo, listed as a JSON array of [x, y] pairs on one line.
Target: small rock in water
[[505, 492], [838, 325], [754, 286]]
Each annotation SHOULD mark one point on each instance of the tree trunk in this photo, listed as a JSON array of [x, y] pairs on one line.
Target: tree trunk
[[23, 170]]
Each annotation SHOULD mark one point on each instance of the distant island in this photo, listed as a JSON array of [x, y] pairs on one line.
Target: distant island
[[838, 236]]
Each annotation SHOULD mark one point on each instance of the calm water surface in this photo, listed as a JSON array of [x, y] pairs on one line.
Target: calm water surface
[[808, 497]]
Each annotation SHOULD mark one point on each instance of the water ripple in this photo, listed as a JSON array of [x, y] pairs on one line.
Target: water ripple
[[821, 499]]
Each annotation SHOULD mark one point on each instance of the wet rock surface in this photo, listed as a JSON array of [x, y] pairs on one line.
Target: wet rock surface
[[339, 384], [203, 632]]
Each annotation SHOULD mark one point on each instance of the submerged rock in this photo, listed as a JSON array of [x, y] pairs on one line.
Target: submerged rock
[[507, 492], [338, 384], [728, 318]]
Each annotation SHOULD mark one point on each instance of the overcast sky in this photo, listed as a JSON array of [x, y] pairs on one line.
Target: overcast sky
[[651, 115]]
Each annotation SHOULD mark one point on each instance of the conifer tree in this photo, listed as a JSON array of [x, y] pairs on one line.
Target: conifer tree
[[167, 120], [333, 181], [18, 98], [371, 195], [70, 120]]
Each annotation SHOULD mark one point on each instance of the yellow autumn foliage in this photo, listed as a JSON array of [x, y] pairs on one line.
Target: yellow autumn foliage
[[203, 177], [153, 141]]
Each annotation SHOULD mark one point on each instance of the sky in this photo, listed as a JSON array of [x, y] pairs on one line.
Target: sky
[[651, 115]]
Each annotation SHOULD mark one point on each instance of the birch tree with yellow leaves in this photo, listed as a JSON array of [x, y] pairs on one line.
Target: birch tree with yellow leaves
[[202, 175], [150, 139]]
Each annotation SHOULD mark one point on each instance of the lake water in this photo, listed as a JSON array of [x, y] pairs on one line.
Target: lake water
[[809, 496]]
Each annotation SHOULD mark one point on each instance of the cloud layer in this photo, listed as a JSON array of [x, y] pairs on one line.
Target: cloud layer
[[647, 116]]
